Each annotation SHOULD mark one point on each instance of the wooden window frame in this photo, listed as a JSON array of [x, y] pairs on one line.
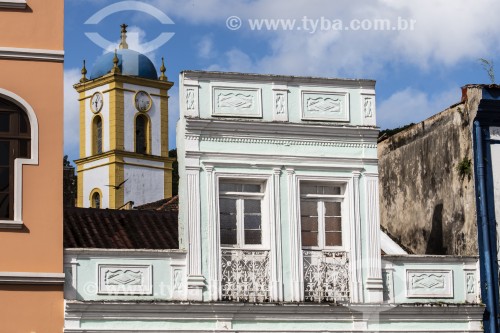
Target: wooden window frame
[[15, 137], [320, 200]]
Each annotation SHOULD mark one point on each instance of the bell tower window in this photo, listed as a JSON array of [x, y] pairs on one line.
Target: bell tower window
[[97, 135], [96, 200], [141, 134]]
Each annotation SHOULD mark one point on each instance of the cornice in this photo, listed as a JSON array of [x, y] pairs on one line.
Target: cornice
[[124, 253], [314, 129], [356, 164], [281, 142], [123, 153], [31, 278], [30, 54], [241, 311], [108, 78], [279, 79]]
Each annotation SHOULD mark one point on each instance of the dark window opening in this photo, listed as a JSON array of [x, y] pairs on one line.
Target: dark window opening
[[97, 129], [141, 123], [15, 135]]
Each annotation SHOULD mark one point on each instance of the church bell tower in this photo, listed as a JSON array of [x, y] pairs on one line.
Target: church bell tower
[[123, 131]]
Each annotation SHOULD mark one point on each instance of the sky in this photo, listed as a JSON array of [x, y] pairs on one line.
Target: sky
[[419, 52]]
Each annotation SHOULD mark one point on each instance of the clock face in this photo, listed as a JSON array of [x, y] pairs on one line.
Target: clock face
[[96, 102], [143, 101]]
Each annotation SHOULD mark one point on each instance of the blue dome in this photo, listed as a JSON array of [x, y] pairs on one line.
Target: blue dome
[[130, 63]]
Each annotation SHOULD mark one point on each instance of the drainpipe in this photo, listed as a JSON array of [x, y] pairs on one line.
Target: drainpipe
[[488, 273]]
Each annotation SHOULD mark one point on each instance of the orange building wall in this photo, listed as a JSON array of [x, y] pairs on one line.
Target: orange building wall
[[27, 309], [39, 27], [38, 247]]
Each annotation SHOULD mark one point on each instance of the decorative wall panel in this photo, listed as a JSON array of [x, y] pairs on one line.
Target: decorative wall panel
[[325, 106], [429, 283], [125, 279], [236, 102]]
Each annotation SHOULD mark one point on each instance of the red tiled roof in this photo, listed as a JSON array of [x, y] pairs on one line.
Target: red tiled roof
[[120, 229], [166, 205]]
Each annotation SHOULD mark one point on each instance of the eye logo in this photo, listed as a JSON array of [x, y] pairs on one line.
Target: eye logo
[[130, 6]]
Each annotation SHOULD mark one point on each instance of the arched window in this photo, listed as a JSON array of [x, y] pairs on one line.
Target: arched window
[[96, 200], [141, 134], [15, 141], [97, 135]]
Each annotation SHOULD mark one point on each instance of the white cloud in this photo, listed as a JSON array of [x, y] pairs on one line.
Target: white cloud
[[206, 47], [411, 105], [71, 113], [234, 61], [445, 33]]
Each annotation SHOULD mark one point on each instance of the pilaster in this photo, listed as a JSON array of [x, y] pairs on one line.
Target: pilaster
[[373, 282], [196, 281], [213, 262], [295, 249], [276, 258]]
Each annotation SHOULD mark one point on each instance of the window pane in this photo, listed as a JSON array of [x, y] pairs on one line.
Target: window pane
[[330, 189], [252, 221], [4, 122], [253, 188], [24, 150], [227, 221], [253, 237], [333, 209], [308, 208], [308, 189], [309, 223], [4, 152], [333, 224], [228, 236], [227, 206], [252, 206], [230, 187], [4, 206], [309, 238], [333, 239], [23, 123], [4, 179]]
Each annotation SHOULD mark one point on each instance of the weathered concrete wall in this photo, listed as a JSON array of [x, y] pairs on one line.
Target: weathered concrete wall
[[425, 201]]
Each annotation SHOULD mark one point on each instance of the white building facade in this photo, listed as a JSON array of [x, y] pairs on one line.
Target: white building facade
[[278, 226], [280, 174]]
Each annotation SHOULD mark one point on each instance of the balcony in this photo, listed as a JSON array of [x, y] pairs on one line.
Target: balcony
[[326, 276], [245, 276]]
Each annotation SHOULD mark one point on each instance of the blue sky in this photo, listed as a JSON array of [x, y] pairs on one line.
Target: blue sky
[[418, 71]]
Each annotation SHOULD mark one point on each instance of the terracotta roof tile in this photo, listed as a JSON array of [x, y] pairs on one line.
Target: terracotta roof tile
[[120, 229], [168, 204]]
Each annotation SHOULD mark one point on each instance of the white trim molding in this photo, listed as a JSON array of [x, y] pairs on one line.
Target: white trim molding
[[31, 278], [389, 246], [13, 4], [31, 54], [17, 223], [269, 317]]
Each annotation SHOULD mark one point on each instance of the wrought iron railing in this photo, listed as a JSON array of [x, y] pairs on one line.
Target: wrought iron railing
[[326, 276], [245, 275]]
